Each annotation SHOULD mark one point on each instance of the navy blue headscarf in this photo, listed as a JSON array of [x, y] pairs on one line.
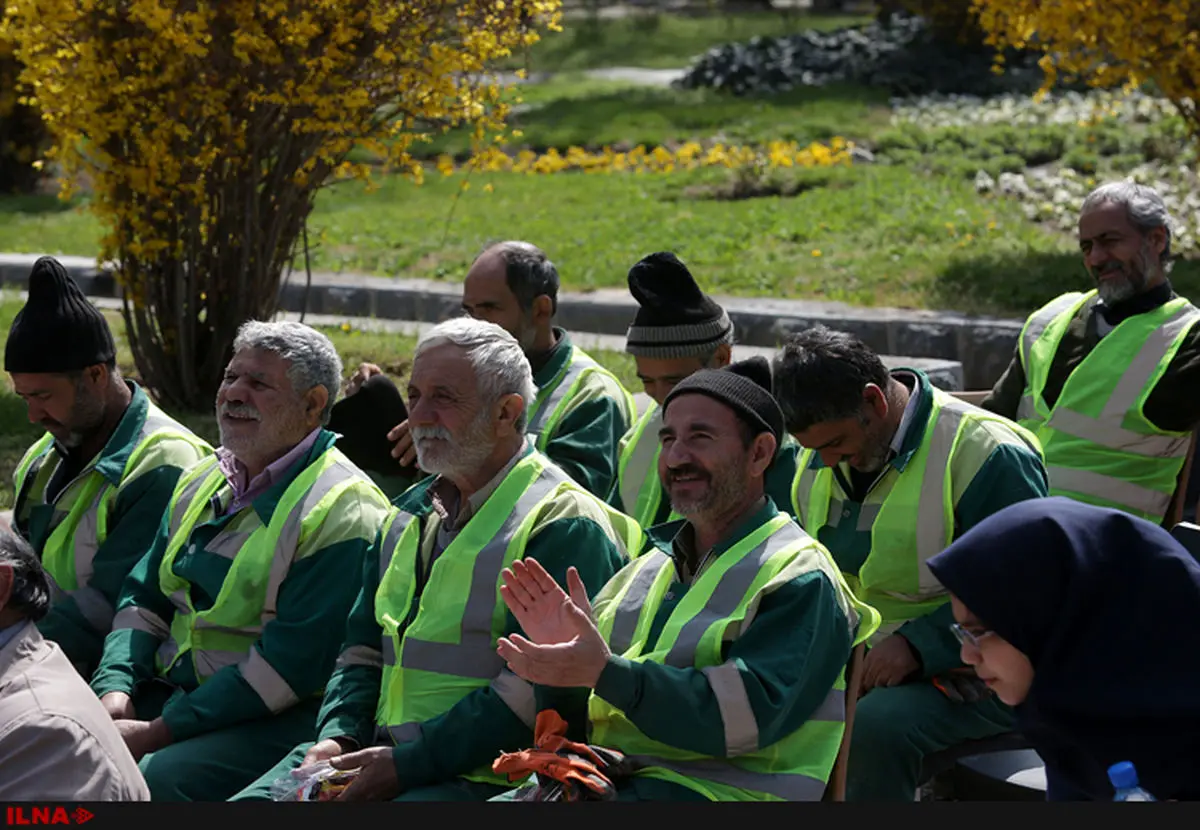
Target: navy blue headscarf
[[1106, 606]]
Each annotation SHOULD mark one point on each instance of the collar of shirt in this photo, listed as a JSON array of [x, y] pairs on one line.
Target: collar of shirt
[[914, 398], [244, 492], [447, 500]]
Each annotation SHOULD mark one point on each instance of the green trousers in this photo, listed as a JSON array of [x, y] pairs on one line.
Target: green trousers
[[457, 790], [896, 727], [215, 765]]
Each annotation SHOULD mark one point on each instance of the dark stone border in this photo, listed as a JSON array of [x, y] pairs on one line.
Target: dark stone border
[[983, 345]]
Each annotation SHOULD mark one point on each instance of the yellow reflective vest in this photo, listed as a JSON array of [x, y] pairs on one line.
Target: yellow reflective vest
[[796, 768], [1100, 448]]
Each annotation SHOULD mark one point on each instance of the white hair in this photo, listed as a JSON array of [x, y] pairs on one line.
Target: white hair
[[313, 359], [1144, 207], [500, 365]]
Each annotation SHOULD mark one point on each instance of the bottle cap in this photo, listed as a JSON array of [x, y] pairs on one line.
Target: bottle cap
[[1123, 775]]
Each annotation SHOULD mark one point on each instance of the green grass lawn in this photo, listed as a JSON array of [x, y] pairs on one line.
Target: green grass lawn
[[575, 110], [868, 235], [659, 41], [391, 351]]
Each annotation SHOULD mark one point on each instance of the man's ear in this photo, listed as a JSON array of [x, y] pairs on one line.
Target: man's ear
[[875, 400], [506, 411], [762, 450], [314, 404], [543, 309], [722, 356]]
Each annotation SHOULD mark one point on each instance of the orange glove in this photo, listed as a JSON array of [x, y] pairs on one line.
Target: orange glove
[[558, 759]]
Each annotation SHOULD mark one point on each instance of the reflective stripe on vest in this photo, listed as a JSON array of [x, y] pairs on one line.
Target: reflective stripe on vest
[[712, 612], [449, 648], [1031, 332], [224, 634], [80, 528], [1099, 446], [550, 403], [910, 525], [637, 470]]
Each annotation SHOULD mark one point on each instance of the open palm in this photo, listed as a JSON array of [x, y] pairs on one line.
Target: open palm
[[546, 614]]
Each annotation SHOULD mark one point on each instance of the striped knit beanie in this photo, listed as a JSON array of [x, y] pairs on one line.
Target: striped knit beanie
[[675, 318]]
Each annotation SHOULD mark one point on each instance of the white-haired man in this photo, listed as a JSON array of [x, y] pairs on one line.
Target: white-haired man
[[420, 699], [227, 630], [1107, 379]]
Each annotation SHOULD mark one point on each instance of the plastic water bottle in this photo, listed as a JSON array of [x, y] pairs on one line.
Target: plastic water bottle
[[1125, 781]]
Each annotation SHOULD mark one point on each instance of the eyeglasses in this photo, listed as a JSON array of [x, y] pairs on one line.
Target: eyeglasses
[[966, 637]]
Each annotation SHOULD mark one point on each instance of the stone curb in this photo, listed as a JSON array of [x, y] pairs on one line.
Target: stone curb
[[983, 345]]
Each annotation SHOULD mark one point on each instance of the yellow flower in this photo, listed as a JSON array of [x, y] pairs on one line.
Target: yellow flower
[[816, 252]]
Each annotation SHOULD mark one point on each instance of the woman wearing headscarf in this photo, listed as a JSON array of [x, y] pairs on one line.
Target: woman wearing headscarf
[[1087, 620]]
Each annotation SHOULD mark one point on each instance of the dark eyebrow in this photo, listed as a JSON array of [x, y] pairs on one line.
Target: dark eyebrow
[[666, 432]]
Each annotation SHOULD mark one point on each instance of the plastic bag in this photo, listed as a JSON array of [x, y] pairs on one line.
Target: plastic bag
[[315, 782]]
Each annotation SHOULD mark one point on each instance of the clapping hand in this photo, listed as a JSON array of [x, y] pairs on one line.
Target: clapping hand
[[566, 650]]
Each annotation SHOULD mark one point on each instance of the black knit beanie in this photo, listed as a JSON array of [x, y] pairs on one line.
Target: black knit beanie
[[745, 386], [58, 330], [364, 420], [675, 318]]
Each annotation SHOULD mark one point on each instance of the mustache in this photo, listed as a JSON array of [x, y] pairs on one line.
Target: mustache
[[686, 470], [241, 410], [424, 433]]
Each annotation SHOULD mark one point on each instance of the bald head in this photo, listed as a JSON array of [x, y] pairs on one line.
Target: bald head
[[514, 285]]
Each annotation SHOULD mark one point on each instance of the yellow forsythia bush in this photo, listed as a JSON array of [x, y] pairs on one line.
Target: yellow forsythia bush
[[688, 156], [1107, 42], [205, 128]]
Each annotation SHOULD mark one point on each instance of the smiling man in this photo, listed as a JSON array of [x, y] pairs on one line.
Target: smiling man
[[717, 657], [892, 470], [1107, 379], [678, 330], [91, 491], [227, 630]]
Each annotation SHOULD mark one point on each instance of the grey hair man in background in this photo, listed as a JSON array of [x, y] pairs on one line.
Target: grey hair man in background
[[56, 741], [1107, 379], [227, 630], [581, 410]]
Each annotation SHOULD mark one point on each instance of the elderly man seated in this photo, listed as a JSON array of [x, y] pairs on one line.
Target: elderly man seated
[[56, 741], [227, 630], [718, 656], [420, 699]]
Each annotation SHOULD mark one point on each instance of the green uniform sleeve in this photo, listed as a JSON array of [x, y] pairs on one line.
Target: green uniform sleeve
[[128, 656], [295, 652], [482, 725], [80, 626], [352, 695], [1011, 474], [585, 444], [788, 661]]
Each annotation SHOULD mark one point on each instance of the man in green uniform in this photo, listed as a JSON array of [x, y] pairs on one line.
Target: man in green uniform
[[1108, 379], [420, 700], [89, 493], [227, 630], [678, 330], [892, 470], [581, 410], [717, 657]]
